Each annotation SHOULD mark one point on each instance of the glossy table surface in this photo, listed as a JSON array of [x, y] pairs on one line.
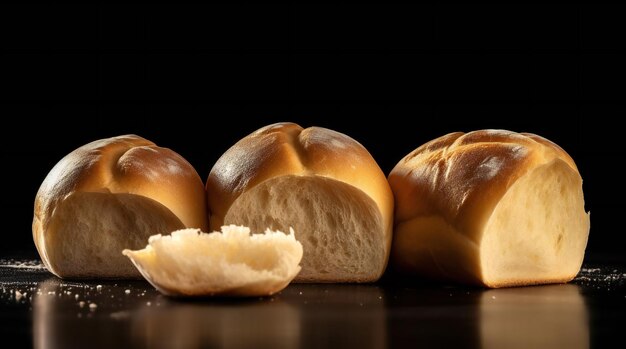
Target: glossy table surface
[[39, 310]]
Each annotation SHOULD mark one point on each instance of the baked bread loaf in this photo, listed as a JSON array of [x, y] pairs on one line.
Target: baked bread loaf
[[228, 263], [109, 195], [322, 183], [491, 208]]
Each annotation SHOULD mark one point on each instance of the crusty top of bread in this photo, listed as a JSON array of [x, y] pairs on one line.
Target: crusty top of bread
[[462, 176], [125, 164], [288, 149]]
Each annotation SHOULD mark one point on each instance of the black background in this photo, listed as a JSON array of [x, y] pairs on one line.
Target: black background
[[197, 78]]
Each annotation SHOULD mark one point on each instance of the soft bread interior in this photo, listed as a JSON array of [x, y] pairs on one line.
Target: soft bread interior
[[233, 262], [89, 230], [538, 231], [339, 226]]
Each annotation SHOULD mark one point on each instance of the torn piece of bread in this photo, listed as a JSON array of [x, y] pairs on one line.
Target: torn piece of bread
[[323, 183], [109, 195], [492, 208], [231, 263]]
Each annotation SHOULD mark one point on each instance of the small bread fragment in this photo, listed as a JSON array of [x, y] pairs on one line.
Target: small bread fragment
[[231, 263], [491, 208]]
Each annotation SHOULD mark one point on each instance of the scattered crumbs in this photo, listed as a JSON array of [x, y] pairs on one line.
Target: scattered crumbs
[[81, 304], [22, 264], [112, 296], [380, 297], [148, 303], [601, 278], [493, 297], [76, 296], [301, 293], [127, 291], [93, 306], [590, 270], [99, 287]]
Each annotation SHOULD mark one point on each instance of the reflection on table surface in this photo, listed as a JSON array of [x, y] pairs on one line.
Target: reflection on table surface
[[132, 314], [553, 316], [300, 316]]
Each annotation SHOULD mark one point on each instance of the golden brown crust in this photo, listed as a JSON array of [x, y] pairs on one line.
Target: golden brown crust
[[459, 179], [462, 176], [288, 149], [126, 164]]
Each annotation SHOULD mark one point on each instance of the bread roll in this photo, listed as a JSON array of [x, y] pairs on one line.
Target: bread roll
[[228, 263], [110, 195], [491, 208], [322, 183]]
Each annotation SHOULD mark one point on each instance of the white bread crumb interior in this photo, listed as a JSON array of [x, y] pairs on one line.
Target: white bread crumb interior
[[492, 208], [321, 182], [232, 262], [109, 195]]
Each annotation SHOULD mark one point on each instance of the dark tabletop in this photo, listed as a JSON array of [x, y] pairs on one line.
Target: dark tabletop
[[37, 309]]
